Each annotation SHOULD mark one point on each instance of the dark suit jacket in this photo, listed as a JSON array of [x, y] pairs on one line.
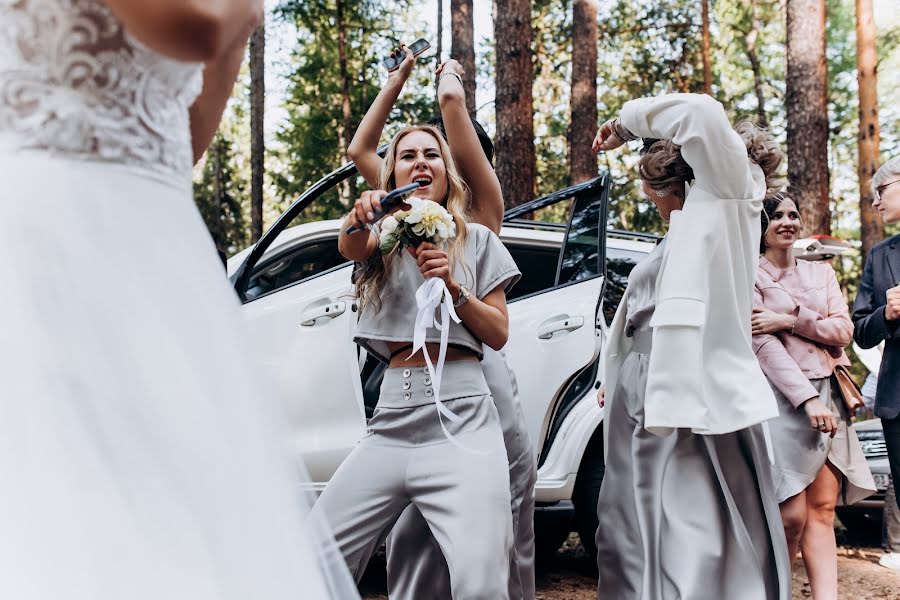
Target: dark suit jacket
[[882, 272]]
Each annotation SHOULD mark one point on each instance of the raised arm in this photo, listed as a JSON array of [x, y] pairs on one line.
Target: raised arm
[[477, 171], [189, 30], [834, 330], [363, 150], [219, 76], [698, 124]]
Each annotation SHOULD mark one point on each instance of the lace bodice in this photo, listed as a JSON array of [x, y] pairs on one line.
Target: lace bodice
[[73, 82]]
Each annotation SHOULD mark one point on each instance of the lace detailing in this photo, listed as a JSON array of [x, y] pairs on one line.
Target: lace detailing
[[74, 82]]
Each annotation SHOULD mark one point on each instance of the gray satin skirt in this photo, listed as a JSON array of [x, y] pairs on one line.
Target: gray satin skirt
[[686, 516], [801, 451]]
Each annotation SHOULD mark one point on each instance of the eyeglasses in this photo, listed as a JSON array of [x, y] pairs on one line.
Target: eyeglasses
[[880, 189]]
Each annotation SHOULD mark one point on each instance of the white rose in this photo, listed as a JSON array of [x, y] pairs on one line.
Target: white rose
[[389, 225]]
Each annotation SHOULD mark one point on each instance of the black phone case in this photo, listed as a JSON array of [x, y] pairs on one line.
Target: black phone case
[[419, 46], [391, 201]]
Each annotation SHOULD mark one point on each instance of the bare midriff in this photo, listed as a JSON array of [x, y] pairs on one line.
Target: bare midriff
[[418, 359]]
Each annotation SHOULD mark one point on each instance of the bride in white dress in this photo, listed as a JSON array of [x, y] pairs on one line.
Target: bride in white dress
[[140, 455]]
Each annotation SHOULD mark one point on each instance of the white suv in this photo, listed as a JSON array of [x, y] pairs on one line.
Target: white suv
[[297, 295]]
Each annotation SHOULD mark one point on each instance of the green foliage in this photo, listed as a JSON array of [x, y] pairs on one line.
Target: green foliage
[[646, 47], [552, 61], [219, 193], [309, 144]]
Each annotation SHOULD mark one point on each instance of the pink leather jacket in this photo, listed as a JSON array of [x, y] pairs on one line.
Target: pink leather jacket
[[810, 292]]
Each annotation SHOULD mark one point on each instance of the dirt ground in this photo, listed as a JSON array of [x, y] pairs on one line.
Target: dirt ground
[[571, 576]]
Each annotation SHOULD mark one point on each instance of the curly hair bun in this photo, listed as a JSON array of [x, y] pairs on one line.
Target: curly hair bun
[[764, 151], [662, 166]]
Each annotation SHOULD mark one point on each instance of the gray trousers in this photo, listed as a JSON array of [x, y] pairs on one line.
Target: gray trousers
[[891, 521], [405, 459], [416, 568], [685, 516]]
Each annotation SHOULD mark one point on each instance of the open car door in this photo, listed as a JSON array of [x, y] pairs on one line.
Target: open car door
[[299, 301], [553, 330]]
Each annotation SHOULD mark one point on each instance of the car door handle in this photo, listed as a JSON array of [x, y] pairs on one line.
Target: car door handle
[[546, 331], [331, 311]]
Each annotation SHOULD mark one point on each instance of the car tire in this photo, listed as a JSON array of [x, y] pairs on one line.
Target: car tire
[[587, 490]]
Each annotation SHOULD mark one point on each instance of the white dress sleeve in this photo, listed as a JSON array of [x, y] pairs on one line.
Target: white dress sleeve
[[698, 124]]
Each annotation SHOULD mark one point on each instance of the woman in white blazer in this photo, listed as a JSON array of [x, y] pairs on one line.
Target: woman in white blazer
[[687, 506]]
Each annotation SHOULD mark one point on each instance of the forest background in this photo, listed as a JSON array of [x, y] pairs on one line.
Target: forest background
[[823, 75]]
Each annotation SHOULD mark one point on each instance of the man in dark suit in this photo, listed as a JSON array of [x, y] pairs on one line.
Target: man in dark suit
[[876, 312]]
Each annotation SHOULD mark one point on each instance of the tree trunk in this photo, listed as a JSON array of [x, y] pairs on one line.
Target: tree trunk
[[707, 67], [750, 39], [516, 163], [462, 45], [440, 48], [257, 129], [872, 229], [214, 225], [345, 127], [807, 112], [583, 160]]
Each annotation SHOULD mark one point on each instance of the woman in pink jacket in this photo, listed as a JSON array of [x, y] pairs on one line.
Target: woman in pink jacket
[[800, 326]]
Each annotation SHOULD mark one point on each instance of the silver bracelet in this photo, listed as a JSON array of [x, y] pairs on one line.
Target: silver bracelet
[[622, 132], [457, 75]]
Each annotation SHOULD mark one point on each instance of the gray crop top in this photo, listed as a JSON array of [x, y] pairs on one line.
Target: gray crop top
[[488, 265]]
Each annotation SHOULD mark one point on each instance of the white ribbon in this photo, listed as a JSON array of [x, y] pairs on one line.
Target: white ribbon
[[433, 293]]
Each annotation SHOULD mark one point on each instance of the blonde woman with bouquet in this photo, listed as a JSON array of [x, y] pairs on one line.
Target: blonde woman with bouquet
[[416, 568], [435, 439]]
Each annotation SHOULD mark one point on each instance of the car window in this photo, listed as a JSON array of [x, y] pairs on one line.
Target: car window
[[619, 264], [294, 265], [538, 266], [581, 255]]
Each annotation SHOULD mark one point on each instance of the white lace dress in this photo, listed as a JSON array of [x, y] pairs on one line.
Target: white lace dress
[[140, 457]]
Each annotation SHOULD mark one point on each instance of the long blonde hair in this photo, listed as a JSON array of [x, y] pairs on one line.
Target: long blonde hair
[[373, 274]]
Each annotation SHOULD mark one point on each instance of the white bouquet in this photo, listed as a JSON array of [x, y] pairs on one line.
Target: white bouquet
[[425, 221]]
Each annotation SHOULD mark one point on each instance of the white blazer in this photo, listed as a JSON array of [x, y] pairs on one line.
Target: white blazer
[[703, 374]]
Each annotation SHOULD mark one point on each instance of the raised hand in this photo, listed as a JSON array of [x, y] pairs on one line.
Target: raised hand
[[451, 66], [405, 69], [607, 138]]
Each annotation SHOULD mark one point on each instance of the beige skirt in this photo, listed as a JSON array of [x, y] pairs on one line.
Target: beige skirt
[[801, 451]]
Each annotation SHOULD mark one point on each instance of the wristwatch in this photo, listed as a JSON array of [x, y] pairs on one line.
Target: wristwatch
[[463, 297]]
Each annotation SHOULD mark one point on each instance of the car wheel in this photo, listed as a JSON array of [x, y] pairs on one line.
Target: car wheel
[[587, 490]]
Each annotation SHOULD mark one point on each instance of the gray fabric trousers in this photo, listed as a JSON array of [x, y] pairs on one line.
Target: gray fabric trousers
[[406, 460], [685, 516], [891, 521], [416, 569]]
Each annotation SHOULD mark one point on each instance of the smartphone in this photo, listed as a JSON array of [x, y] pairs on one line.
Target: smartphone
[[392, 63], [394, 199]]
